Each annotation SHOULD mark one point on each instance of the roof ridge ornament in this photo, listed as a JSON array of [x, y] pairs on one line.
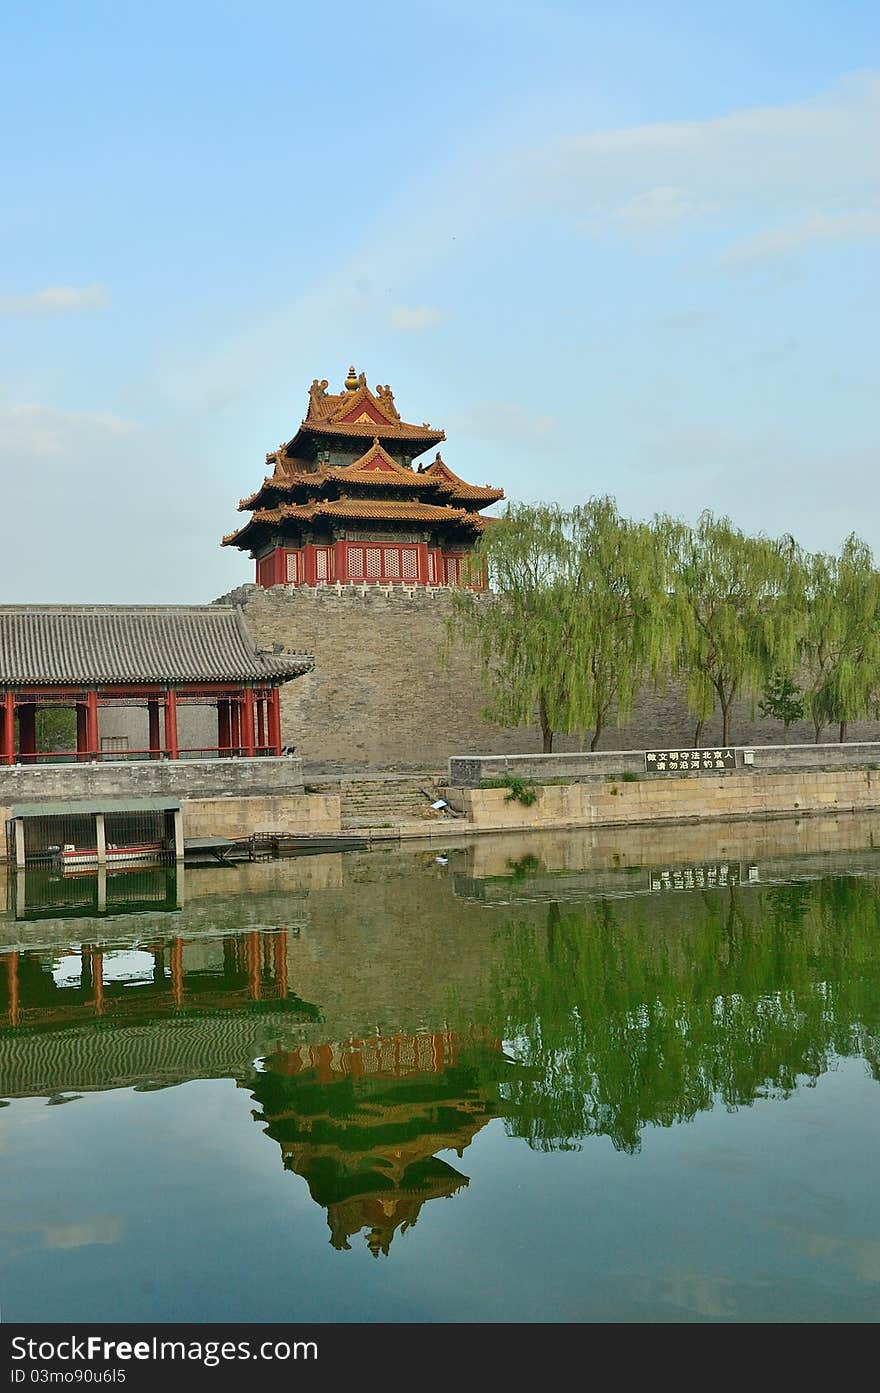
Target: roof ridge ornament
[[352, 382]]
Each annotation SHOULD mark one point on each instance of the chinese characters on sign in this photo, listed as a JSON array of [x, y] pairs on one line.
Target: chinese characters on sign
[[674, 761], [715, 876]]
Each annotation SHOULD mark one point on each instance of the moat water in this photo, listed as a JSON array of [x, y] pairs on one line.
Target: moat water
[[611, 1076]]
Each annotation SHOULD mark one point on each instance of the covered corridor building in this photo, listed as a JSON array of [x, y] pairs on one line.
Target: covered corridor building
[[152, 658]]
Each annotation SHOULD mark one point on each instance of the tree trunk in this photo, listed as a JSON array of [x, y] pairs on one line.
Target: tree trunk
[[818, 727], [698, 733], [843, 732], [725, 724], [546, 728], [596, 733]]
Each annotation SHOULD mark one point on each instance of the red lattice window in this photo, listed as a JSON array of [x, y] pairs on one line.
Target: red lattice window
[[432, 568], [293, 568], [322, 563], [391, 563], [452, 567]]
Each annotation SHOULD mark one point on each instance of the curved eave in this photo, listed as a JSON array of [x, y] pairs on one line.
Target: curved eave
[[419, 438]]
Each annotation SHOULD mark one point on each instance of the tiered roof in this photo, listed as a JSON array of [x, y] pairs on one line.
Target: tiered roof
[[379, 485]]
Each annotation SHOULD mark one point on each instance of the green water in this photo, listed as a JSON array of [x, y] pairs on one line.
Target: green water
[[529, 1080]]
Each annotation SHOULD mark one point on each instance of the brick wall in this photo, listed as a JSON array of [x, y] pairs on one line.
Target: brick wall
[[389, 692]]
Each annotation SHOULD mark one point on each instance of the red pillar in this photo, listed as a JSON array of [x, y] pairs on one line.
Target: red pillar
[[27, 733], [98, 980], [307, 564], [252, 951], [12, 969], [340, 561], [171, 744], [8, 751], [275, 721], [247, 721], [82, 736], [280, 948], [92, 742], [155, 740], [177, 972], [223, 735], [261, 724], [235, 725]]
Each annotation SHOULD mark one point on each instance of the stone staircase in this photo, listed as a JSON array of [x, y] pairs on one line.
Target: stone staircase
[[386, 801]]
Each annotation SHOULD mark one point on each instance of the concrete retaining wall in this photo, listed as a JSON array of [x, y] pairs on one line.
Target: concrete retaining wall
[[676, 799], [239, 817], [469, 771], [227, 798], [180, 778]]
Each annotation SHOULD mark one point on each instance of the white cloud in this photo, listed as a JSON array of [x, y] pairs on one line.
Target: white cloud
[[45, 431], [97, 1229], [776, 177], [812, 229], [651, 212], [412, 318], [57, 299]]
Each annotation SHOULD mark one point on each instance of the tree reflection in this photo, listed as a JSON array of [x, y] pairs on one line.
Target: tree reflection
[[632, 1013]]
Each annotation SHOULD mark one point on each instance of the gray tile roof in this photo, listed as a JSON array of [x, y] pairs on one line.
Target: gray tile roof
[[60, 644]]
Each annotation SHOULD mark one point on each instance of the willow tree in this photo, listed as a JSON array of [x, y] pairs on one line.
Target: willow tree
[[517, 632], [840, 638], [615, 614], [734, 600]]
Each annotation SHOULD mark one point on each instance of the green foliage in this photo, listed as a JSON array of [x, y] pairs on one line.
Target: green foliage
[[580, 619], [522, 791], [519, 790], [736, 610], [56, 729], [629, 776], [588, 606], [744, 994], [840, 635], [783, 700]]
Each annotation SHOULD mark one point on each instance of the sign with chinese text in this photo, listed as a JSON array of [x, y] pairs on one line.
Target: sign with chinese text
[[716, 875], [677, 761]]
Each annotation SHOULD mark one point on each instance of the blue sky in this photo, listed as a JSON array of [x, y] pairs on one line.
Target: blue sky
[[627, 249]]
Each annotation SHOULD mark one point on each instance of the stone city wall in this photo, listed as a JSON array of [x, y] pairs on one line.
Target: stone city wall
[[390, 692]]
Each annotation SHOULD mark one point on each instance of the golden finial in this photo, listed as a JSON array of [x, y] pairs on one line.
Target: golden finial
[[352, 382]]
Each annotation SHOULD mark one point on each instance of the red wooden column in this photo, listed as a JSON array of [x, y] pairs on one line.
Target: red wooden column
[[12, 969], [261, 724], [92, 741], [27, 733], [247, 722], [422, 549], [223, 735], [252, 957], [340, 561], [155, 739], [82, 734], [171, 742], [98, 980], [8, 748], [280, 953], [275, 721], [177, 972], [235, 724]]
